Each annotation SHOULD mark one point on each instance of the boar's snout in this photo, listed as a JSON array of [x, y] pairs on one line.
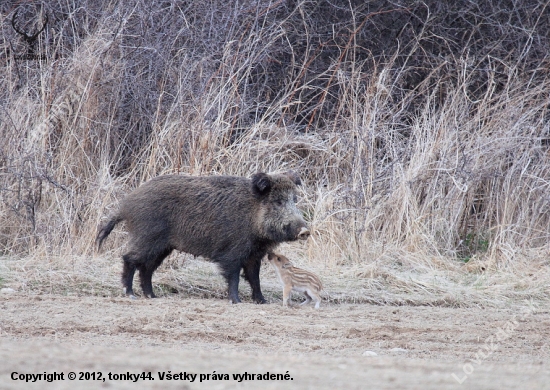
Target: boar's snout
[[293, 232], [304, 233]]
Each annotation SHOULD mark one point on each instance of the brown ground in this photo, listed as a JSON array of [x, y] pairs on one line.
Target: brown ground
[[319, 348]]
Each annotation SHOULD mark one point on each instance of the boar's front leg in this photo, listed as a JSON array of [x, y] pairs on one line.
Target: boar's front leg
[[231, 275], [252, 274]]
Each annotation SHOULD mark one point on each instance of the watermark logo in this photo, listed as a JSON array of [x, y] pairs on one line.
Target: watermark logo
[[29, 35], [492, 343]]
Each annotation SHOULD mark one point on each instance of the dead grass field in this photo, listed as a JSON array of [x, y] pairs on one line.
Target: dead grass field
[[63, 319], [417, 347]]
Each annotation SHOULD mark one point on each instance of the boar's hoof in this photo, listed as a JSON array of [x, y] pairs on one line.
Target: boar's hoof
[[260, 301], [304, 234], [234, 300]]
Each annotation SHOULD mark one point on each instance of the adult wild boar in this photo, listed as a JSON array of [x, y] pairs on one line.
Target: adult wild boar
[[234, 221]]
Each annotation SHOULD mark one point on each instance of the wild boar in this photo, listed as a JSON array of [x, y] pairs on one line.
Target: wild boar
[[234, 221]]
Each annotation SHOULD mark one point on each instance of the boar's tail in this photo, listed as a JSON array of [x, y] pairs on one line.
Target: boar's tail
[[106, 230]]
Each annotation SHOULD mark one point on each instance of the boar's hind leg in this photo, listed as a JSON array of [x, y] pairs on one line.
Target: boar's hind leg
[[128, 271], [146, 269], [252, 274]]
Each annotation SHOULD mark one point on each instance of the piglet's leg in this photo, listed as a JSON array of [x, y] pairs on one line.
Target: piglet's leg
[[308, 298], [316, 297], [286, 295]]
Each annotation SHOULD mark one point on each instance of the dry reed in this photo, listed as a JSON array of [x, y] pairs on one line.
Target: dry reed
[[428, 193]]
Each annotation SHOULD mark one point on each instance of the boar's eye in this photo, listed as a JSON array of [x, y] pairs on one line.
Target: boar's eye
[[279, 202], [295, 198]]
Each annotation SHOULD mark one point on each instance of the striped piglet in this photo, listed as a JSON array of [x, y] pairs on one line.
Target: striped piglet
[[296, 279]]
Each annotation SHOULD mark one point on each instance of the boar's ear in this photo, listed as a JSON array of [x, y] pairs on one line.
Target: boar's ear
[[261, 183], [294, 177]]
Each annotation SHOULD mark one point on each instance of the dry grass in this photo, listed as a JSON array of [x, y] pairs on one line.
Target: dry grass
[[426, 195]]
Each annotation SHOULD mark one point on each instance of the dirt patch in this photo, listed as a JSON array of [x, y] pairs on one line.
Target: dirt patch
[[415, 347]]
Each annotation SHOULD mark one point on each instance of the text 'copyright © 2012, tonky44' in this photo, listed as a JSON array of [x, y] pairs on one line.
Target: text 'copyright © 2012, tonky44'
[[148, 376]]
